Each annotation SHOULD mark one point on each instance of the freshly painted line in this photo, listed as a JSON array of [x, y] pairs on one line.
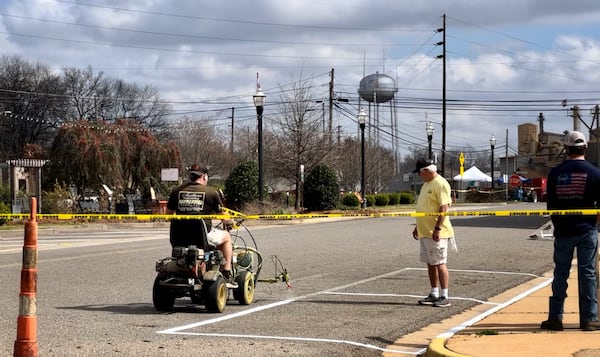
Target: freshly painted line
[[276, 304], [410, 296], [498, 306], [480, 317], [483, 272], [176, 330], [306, 339]]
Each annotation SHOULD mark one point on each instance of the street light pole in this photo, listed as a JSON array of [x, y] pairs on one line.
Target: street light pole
[[492, 145], [429, 131], [362, 119], [259, 102]]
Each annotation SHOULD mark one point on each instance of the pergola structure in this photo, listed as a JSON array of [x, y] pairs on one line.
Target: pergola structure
[[25, 175]]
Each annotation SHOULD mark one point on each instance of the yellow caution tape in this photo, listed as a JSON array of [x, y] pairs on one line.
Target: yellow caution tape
[[234, 214]]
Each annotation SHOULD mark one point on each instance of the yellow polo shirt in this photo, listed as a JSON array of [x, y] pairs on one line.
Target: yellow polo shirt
[[434, 194]]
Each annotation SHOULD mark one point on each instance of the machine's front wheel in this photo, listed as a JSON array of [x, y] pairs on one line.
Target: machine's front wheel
[[163, 299], [215, 295], [244, 293]]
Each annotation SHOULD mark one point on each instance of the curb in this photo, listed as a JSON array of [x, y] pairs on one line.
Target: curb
[[437, 348]]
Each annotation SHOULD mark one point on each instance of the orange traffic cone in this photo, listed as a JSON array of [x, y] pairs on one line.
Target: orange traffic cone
[[26, 343]]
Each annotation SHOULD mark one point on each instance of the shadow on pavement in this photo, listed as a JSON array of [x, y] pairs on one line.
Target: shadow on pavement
[[517, 222]]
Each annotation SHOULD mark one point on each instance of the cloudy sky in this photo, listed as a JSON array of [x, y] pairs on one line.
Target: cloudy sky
[[506, 61]]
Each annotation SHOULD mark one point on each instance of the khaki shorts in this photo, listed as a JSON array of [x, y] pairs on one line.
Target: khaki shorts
[[216, 237], [432, 252]]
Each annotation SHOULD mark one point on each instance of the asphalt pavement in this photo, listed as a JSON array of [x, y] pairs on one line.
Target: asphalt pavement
[[511, 329]]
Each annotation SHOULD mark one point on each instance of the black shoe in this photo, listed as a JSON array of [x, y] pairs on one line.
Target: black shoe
[[552, 324], [590, 325], [231, 284], [429, 300], [442, 302]]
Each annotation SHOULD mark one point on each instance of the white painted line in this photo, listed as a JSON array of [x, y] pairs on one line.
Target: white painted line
[[480, 317], [306, 339], [411, 296], [176, 330], [276, 304], [483, 272], [333, 291]]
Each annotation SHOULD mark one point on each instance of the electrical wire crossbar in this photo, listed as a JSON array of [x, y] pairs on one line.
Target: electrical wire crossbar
[[287, 217]]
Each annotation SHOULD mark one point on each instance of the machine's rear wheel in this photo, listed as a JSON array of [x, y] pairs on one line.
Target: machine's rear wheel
[[244, 293], [163, 299], [215, 295]]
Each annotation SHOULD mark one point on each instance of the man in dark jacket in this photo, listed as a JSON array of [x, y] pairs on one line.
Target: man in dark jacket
[[573, 185], [195, 197]]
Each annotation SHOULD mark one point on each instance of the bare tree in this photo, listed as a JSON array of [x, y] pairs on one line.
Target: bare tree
[[198, 142], [31, 101], [349, 164], [86, 91], [379, 167], [141, 104], [93, 96], [297, 137]]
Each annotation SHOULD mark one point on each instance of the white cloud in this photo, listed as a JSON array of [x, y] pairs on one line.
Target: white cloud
[[515, 50]]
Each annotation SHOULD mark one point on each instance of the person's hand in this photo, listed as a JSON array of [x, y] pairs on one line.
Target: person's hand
[[228, 224], [436, 235], [415, 234]]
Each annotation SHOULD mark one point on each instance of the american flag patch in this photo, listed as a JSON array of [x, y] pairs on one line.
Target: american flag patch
[[571, 185]]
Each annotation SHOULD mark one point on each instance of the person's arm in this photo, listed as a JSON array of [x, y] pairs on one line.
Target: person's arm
[[226, 223], [172, 203], [415, 234], [438, 223], [441, 218]]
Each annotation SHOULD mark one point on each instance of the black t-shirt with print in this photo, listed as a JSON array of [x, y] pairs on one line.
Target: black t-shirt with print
[[192, 198]]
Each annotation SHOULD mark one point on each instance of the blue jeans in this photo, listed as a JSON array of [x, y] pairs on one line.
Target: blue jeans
[[587, 248]]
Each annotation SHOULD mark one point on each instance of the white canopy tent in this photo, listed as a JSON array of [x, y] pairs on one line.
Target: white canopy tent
[[473, 174]]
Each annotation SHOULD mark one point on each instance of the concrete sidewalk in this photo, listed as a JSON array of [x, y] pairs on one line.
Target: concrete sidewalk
[[514, 330]]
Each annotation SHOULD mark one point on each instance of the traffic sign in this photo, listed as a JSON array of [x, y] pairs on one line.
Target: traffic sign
[[514, 180]]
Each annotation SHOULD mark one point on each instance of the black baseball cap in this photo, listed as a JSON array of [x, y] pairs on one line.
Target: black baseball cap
[[198, 170], [422, 163]]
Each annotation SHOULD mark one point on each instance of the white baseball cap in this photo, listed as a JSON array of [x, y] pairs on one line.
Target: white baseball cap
[[575, 138]]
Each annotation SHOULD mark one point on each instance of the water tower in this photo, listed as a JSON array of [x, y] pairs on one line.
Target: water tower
[[380, 88], [377, 88]]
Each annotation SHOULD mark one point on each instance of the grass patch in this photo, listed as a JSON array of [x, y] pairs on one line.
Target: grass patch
[[487, 333]]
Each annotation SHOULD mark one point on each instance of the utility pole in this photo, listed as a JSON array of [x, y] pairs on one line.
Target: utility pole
[[596, 112], [231, 142], [330, 128], [505, 179], [443, 57]]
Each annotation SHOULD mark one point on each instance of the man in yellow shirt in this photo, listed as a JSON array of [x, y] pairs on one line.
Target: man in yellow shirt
[[434, 232]]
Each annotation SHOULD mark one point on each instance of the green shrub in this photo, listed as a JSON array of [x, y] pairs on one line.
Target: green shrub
[[406, 198], [58, 200], [4, 209], [241, 186], [370, 200], [350, 200], [394, 198], [321, 189], [381, 199], [5, 195]]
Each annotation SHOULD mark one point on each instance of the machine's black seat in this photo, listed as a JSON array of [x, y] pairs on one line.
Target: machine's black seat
[[186, 232]]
